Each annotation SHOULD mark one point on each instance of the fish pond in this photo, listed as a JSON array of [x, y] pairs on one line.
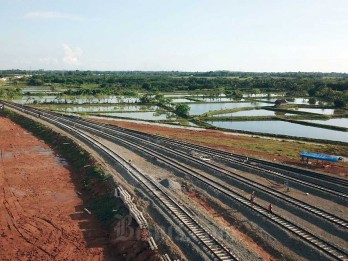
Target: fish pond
[[317, 111], [283, 128], [200, 108], [75, 100], [339, 122], [100, 108]]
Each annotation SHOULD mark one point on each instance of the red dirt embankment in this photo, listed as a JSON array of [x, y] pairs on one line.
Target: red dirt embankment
[[42, 217]]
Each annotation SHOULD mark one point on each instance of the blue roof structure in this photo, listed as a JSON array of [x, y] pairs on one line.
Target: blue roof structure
[[317, 156]]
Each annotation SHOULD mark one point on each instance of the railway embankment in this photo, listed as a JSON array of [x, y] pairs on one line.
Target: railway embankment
[[94, 186]]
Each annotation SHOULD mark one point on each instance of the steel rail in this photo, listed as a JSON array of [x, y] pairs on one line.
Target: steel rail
[[306, 207], [315, 241], [241, 159], [304, 183], [189, 146], [311, 209], [217, 249]]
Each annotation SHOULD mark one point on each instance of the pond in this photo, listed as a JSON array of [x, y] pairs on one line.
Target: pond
[[181, 100], [318, 111], [176, 95], [261, 95], [283, 128], [35, 99], [142, 115], [295, 101], [41, 90], [216, 99], [340, 122], [197, 109], [104, 108], [80, 100]]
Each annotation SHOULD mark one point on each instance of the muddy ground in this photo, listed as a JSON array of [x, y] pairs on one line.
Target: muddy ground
[[42, 216]]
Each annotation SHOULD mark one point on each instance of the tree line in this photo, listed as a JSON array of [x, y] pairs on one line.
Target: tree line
[[332, 87]]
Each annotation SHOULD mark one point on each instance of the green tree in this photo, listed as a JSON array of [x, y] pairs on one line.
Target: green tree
[[237, 94], [146, 98], [312, 100], [182, 109], [340, 102], [35, 81]]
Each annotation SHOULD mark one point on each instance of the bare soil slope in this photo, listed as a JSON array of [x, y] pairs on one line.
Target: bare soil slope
[[41, 215]]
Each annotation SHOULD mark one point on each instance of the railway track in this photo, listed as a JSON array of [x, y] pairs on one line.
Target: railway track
[[217, 250], [186, 146], [315, 241], [339, 194], [306, 207], [266, 165], [180, 145], [242, 159]]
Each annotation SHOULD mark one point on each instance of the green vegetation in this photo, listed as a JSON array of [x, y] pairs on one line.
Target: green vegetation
[[10, 93], [332, 87], [182, 109], [93, 86], [340, 102], [217, 112]]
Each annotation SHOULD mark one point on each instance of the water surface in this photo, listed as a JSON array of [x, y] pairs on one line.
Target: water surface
[[177, 100], [340, 122], [106, 108], [216, 99], [283, 128], [197, 109], [79, 100], [317, 111]]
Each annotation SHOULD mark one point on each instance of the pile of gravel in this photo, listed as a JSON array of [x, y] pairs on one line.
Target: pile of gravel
[[171, 184]]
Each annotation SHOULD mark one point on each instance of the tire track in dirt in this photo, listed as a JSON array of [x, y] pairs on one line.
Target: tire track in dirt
[[23, 225], [38, 203]]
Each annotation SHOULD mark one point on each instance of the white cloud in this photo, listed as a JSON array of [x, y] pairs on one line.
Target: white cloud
[[51, 15], [72, 55]]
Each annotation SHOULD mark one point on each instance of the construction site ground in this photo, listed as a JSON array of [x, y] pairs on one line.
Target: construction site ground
[[42, 216]]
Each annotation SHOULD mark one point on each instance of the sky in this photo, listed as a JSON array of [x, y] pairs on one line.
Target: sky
[[175, 35]]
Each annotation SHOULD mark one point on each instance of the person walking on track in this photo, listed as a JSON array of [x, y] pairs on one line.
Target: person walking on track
[[270, 207]]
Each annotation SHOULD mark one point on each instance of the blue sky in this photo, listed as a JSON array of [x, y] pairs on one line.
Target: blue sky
[[184, 35]]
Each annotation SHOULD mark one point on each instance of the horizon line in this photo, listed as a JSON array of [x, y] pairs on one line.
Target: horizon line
[[229, 71]]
